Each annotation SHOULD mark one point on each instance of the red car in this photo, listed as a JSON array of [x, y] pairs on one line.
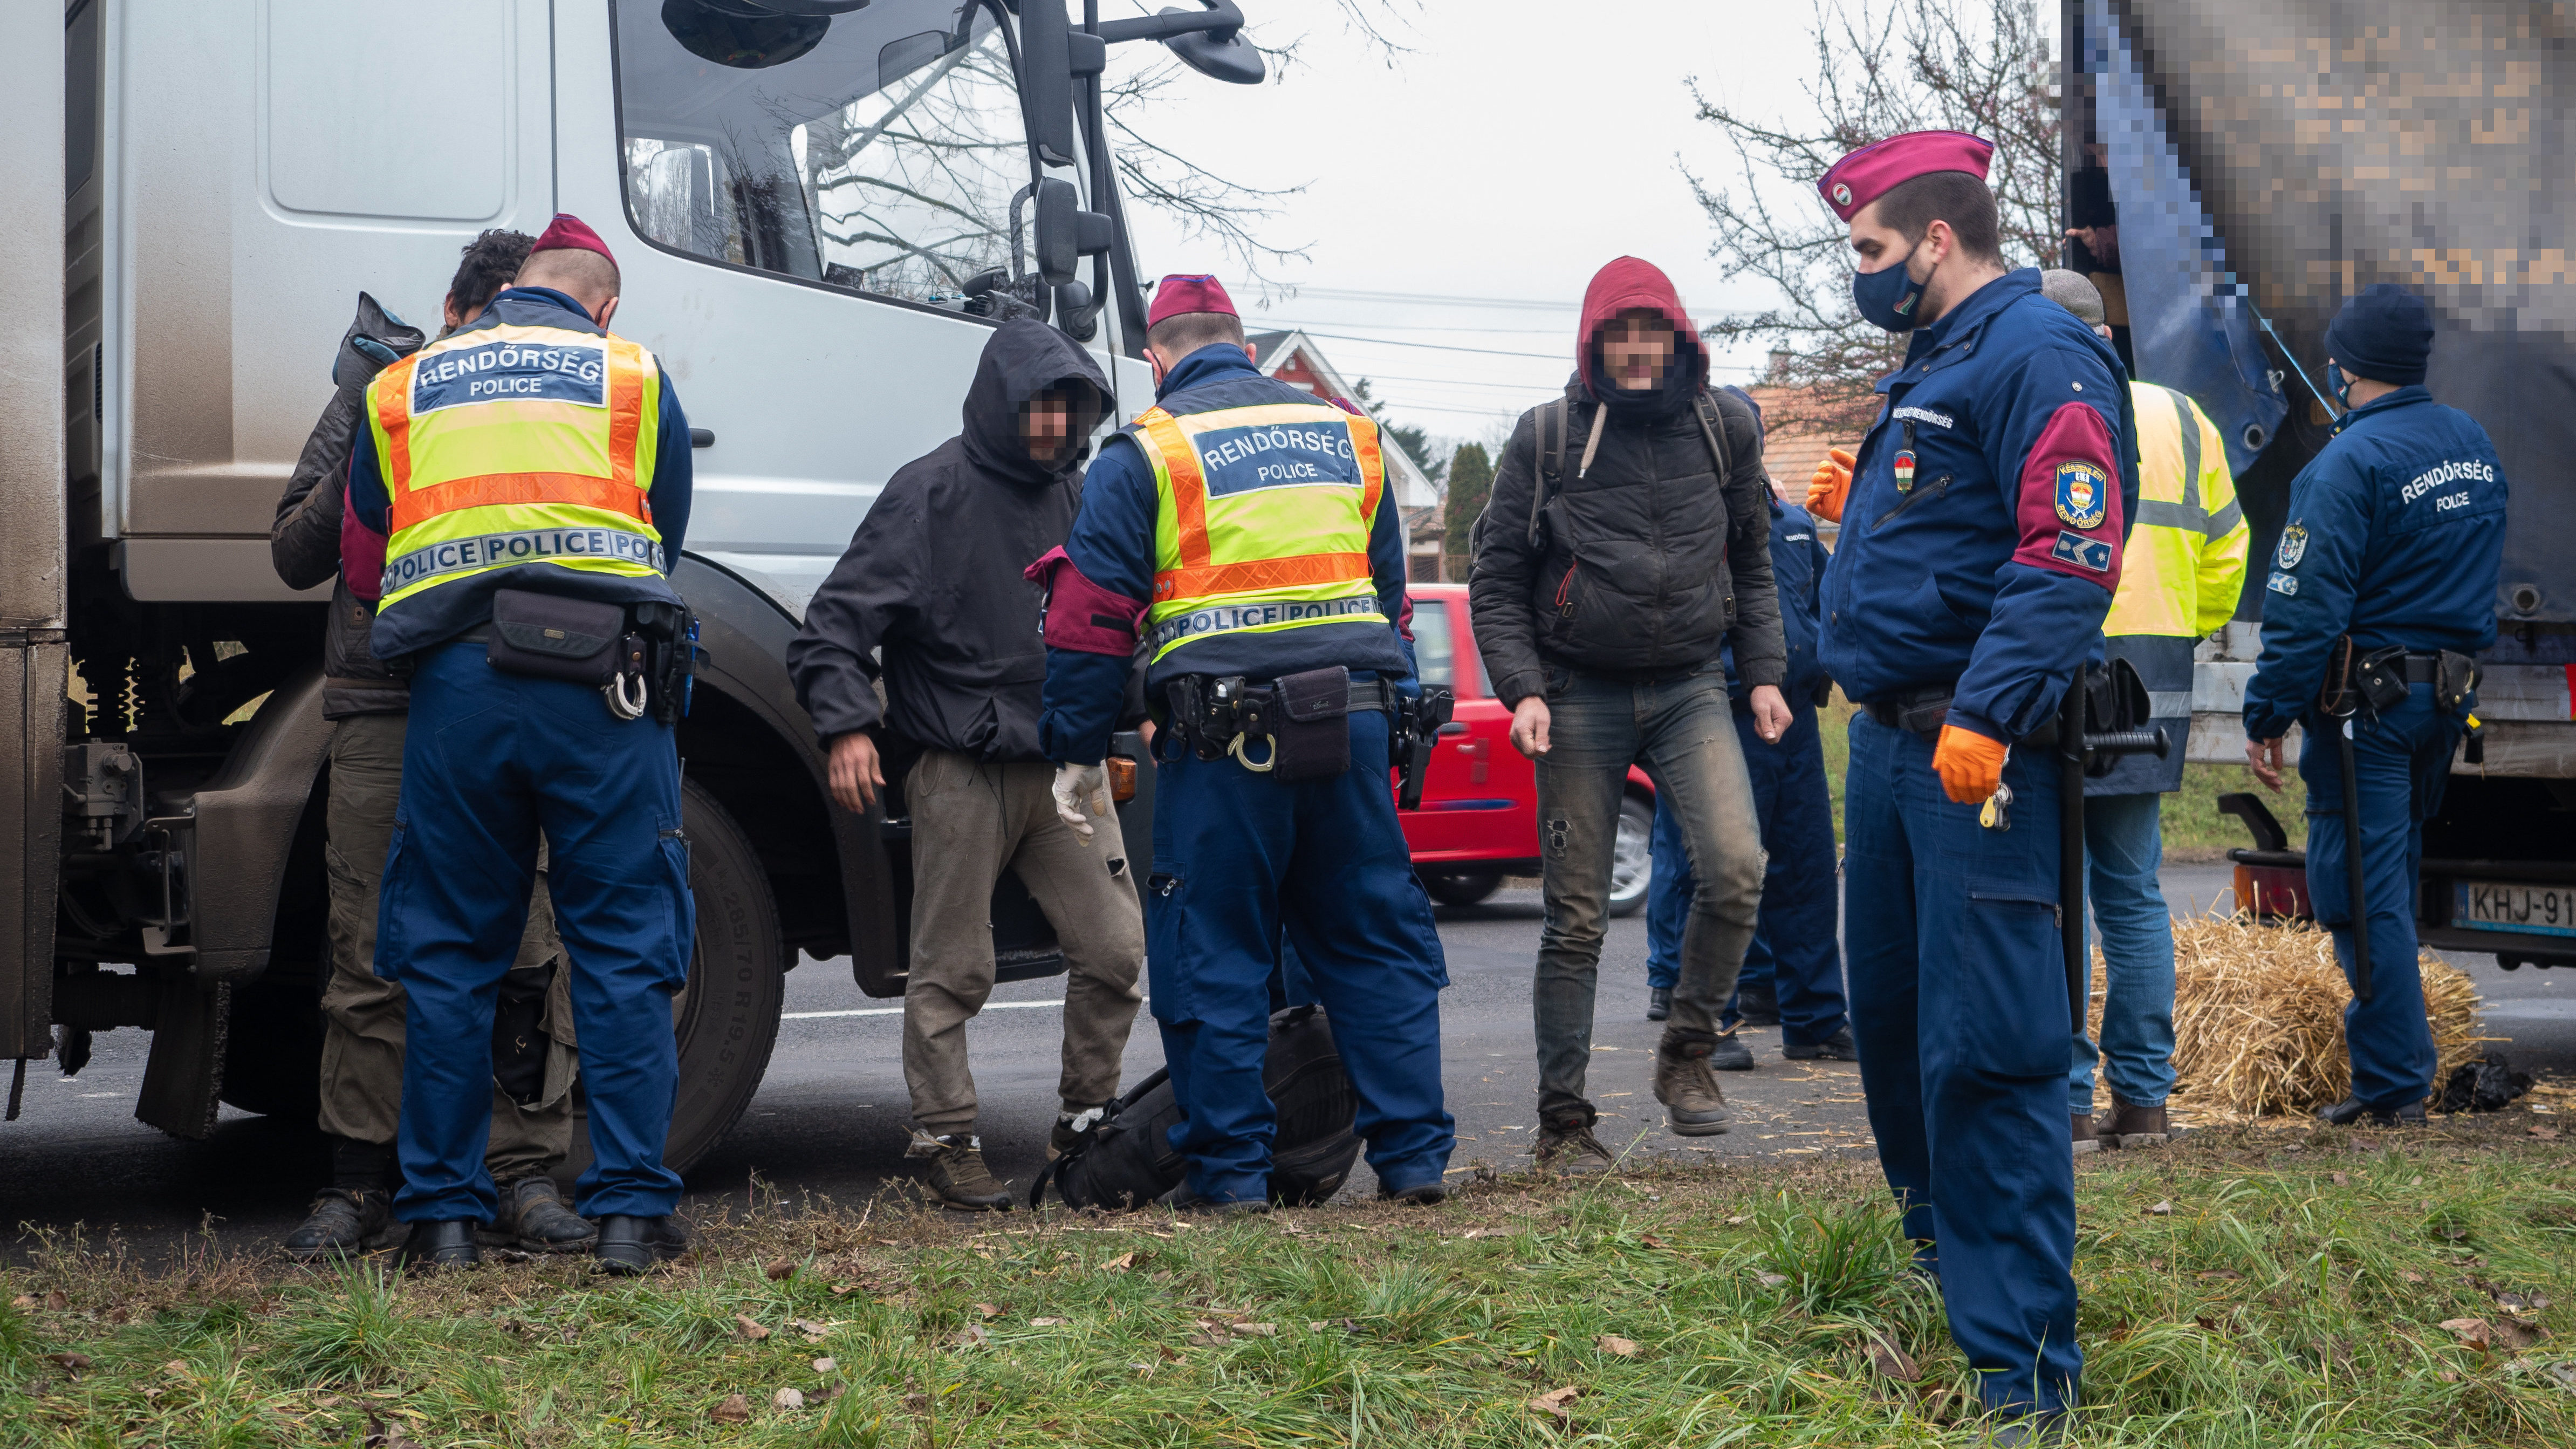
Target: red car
[[1479, 815]]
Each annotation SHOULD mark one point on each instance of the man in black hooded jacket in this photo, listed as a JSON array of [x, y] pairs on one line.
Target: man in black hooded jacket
[[935, 577], [1627, 541]]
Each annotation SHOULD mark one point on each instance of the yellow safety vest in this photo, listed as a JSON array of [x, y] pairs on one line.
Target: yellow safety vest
[[2184, 567], [512, 445], [1262, 520]]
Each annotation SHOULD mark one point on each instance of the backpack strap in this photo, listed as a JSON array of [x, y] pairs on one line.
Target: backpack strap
[[1551, 460], [1712, 426]]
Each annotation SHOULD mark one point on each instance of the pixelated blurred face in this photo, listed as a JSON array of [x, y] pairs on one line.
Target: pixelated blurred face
[[1046, 425], [1637, 349]]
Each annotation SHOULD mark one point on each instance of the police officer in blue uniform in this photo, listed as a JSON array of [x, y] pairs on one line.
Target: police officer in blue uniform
[[1245, 530], [1982, 523], [1793, 971], [2394, 539]]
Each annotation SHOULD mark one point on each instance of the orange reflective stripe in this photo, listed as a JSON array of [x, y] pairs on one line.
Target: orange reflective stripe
[[422, 505], [1189, 485], [393, 412], [1372, 466], [1269, 573], [625, 408]]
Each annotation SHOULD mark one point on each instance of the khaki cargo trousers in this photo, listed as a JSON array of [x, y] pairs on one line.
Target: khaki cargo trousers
[[362, 1013], [969, 821]]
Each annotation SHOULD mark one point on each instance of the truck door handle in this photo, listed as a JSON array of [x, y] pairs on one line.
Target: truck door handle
[[1453, 727], [702, 437]]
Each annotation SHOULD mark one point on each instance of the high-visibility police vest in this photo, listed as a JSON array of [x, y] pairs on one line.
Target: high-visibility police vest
[[1262, 520], [510, 445], [2185, 563]]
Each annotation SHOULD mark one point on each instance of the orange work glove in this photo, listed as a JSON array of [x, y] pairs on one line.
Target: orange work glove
[[1831, 483], [1969, 764]]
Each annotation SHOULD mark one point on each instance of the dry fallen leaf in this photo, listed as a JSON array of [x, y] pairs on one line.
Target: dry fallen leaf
[[2162, 1209], [1046, 1323], [840, 1290], [825, 1365], [778, 1270], [1119, 1264], [1737, 1221], [177, 1368], [988, 1310], [2545, 1134], [56, 1300], [2522, 1304], [749, 1327], [1613, 1343], [972, 1336], [1255, 1330], [2343, 1179], [382, 1436], [23, 1300], [814, 1332], [734, 1410], [788, 1398], [1651, 1241], [1555, 1400], [2475, 1332], [1317, 1326], [1770, 1280], [1890, 1360], [69, 1363], [2447, 1377], [2410, 1275]]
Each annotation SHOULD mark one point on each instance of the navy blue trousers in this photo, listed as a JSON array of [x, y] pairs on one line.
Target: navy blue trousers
[[489, 760], [1797, 945], [1238, 857], [2402, 763], [1959, 1006]]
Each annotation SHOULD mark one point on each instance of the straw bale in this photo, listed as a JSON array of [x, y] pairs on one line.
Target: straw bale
[[2258, 1017]]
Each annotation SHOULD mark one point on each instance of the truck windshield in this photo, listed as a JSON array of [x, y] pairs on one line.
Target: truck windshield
[[877, 149]]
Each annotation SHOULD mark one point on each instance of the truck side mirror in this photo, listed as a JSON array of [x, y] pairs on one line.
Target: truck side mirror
[[1046, 81], [1066, 233], [1218, 55]]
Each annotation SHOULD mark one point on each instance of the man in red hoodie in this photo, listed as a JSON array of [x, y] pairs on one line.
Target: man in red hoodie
[[1628, 541]]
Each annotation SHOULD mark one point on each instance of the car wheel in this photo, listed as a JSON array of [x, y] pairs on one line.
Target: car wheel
[[1463, 888], [1632, 857]]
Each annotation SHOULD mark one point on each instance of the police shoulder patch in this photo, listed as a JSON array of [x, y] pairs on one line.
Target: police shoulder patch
[[2294, 547], [2083, 495]]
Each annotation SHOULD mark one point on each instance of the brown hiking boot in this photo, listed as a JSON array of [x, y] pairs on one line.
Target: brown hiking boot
[[1566, 1145], [2129, 1125], [1686, 1086], [535, 1219], [954, 1168], [2085, 1138]]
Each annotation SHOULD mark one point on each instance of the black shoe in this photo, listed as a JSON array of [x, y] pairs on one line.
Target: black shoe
[[1421, 1194], [1758, 1007], [631, 1245], [1835, 1048], [538, 1221], [1730, 1055], [1659, 1003], [340, 1223], [2352, 1110], [440, 1245]]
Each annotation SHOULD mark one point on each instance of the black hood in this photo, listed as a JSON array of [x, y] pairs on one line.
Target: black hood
[[1024, 359]]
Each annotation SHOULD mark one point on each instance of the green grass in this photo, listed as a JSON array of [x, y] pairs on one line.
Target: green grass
[[2193, 828], [2240, 1289]]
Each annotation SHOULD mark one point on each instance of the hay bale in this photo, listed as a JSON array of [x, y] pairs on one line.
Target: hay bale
[[2258, 1017]]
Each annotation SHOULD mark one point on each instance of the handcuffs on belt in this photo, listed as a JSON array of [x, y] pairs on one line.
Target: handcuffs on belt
[[1300, 720]]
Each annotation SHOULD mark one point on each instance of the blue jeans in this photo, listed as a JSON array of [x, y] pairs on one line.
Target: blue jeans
[[1679, 729], [1959, 1006], [1797, 945], [490, 758], [1240, 857], [2123, 845], [2403, 764]]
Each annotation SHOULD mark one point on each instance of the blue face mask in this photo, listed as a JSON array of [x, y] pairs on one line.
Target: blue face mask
[[2339, 385], [1888, 297]]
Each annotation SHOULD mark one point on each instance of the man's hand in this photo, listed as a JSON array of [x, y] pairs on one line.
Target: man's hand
[[857, 774], [1529, 726], [2265, 758], [1082, 791], [1830, 485], [1969, 764], [1771, 717]]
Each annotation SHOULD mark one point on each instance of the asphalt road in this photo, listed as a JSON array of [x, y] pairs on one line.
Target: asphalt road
[[830, 1116]]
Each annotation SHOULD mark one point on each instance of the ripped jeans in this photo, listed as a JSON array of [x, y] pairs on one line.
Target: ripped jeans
[[1682, 730]]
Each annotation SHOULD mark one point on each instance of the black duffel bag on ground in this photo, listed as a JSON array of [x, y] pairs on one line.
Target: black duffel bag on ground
[[1129, 1161]]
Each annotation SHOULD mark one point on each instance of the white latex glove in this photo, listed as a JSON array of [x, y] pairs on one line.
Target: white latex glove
[[1080, 791]]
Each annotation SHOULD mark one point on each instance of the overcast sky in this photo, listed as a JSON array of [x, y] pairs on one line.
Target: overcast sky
[[1516, 148]]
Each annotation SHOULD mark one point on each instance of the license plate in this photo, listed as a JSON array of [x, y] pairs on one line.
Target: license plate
[[2501, 906]]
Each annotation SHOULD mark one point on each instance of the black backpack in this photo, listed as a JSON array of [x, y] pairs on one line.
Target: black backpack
[[1552, 423], [1129, 1160]]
